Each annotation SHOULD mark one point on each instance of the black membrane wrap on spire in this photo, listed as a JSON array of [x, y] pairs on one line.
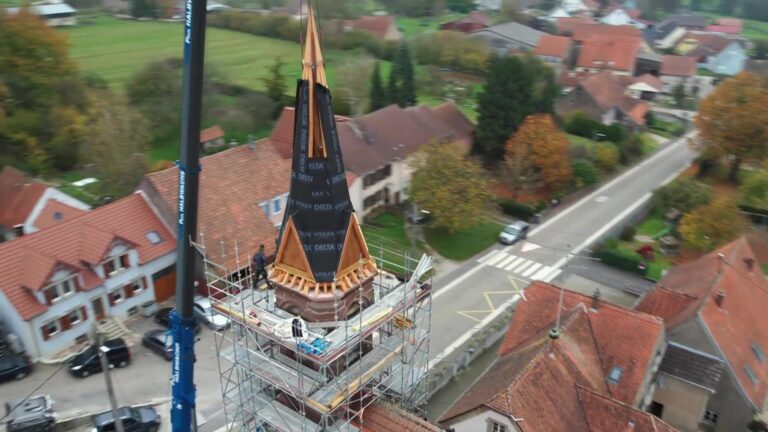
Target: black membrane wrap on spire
[[319, 198]]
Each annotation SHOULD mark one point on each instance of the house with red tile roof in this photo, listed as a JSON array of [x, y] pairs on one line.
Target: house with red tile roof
[[554, 51], [212, 137], [677, 70], [600, 53], [584, 32], [243, 195], [382, 27], [605, 98], [28, 205], [56, 283], [567, 26], [476, 20], [593, 373], [715, 52], [714, 308], [377, 147]]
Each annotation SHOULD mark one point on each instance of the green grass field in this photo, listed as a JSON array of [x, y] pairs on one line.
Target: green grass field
[[117, 49], [465, 243], [415, 26]]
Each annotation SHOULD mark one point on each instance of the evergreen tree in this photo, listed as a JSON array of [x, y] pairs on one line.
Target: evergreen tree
[[393, 92], [378, 96], [404, 76], [276, 86], [515, 89]]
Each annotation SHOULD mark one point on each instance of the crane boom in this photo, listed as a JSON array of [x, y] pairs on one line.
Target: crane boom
[[183, 320]]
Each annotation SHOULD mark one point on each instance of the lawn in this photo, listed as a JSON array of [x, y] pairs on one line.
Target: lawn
[[578, 140], [388, 240], [415, 26], [466, 243], [649, 144], [117, 49]]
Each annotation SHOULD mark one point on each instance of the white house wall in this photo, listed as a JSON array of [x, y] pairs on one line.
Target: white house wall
[[51, 194], [477, 421], [13, 322], [30, 333]]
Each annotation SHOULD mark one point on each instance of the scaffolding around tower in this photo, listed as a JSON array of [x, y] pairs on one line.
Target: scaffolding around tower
[[324, 380]]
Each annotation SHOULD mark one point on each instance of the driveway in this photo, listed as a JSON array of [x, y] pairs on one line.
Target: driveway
[[145, 380]]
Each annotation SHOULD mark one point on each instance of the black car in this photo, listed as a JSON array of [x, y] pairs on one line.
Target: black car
[[143, 419], [163, 317], [159, 341], [14, 367], [87, 361]]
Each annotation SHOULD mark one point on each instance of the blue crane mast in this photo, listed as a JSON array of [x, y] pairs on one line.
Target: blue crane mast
[[183, 319]]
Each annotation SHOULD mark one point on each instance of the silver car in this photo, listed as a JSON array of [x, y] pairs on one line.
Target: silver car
[[205, 313], [513, 232]]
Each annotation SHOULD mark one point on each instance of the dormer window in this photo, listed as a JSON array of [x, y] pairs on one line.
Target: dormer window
[[59, 290], [115, 265], [615, 376]]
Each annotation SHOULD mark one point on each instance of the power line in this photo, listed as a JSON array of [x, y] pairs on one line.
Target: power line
[[743, 276], [33, 392]]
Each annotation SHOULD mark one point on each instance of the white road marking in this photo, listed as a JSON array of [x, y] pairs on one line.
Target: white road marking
[[531, 269], [528, 246], [488, 255], [601, 199], [521, 263], [476, 328], [498, 257], [506, 261], [541, 273], [457, 281], [517, 261], [524, 266], [552, 276]]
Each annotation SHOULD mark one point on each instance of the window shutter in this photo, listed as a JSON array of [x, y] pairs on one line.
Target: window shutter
[[111, 299], [44, 331], [48, 294], [64, 323], [84, 313], [124, 260], [128, 290]]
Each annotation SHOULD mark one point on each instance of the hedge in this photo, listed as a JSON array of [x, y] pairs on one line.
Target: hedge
[[621, 260], [518, 210]]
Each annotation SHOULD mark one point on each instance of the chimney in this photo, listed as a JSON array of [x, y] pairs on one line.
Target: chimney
[[721, 260], [595, 300], [750, 263], [719, 298]]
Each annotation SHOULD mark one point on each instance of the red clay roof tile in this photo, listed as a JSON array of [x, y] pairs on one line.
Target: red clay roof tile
[[54, 213], [232, 184], [18, 196], [211, 133], [553, 46], [678, 66], [585, 32], [618, 54], [381, 416], [608, 92], [739, 323], [27, 262]]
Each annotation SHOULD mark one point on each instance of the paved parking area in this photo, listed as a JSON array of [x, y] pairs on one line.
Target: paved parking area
[[145, 380]]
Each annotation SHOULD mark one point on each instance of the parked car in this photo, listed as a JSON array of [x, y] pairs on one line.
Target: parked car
[[14, 366], [159, 341], [34, 414], [163, 317], [87, 361], [143, 419], [514, 232], [205, 313]]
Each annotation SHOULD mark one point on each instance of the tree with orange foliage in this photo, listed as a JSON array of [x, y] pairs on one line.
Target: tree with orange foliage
[[733, 121], [537, 155]]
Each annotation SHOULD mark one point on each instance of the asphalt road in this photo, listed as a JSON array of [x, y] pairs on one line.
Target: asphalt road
[[480, 289]]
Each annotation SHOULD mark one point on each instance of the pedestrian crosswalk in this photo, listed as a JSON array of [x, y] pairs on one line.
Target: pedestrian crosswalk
[[521, 266]]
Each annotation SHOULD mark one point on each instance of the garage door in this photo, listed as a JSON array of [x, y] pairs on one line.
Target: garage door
[[165, 283]]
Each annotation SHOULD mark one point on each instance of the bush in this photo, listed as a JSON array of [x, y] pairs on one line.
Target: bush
[[621, 260], [585, 172], [516, 209], [684, 195], [628, 233], [606, 156], [582, 125]]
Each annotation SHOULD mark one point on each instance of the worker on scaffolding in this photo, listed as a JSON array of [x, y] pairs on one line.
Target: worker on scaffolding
[[259, 268]]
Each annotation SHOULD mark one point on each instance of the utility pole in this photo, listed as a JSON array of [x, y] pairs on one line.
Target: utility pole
[[108, 376], [183, 319]]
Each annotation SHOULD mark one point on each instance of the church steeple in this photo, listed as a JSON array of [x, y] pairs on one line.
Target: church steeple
[[322, 255]]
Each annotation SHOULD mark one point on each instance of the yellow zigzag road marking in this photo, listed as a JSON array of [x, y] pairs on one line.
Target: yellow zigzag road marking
[[488, 301]]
